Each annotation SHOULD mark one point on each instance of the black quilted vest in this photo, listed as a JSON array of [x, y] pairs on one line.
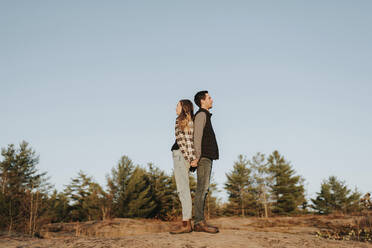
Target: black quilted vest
[[209, 147]]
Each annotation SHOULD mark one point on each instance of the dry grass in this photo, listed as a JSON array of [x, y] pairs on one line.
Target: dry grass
[[359, 229]]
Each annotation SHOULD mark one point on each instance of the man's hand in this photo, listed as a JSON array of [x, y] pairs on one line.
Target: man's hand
[[194, 163]]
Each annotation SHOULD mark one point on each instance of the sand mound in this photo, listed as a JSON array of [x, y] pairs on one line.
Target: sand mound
[[283, 232]]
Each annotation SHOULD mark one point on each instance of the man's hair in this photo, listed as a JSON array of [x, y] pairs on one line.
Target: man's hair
[[200, 96]]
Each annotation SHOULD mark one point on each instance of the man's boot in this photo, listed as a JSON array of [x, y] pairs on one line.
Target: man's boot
[[186, 228], [210, 225], [203, 227]]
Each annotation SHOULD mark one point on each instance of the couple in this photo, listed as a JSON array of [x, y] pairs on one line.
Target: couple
[[195, 149]]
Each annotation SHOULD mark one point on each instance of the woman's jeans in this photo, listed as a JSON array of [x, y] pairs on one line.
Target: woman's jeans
[[181, 173]]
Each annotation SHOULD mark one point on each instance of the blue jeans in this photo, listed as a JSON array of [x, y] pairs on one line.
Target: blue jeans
[[181, 174]]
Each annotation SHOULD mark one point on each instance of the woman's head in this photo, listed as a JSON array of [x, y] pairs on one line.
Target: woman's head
[[185, 112]]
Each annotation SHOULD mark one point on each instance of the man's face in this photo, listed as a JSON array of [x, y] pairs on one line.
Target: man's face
[[207, 103]]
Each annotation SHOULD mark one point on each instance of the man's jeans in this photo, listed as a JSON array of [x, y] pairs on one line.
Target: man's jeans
[[181, 174], [204, 175]]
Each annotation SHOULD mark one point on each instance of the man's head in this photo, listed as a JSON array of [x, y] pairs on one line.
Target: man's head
[[203, 100]]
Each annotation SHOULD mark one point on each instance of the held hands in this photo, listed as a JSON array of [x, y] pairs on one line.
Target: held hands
[[194, 163]]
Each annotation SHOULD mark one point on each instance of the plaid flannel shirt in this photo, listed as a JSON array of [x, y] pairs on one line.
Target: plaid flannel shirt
[[185, 140]]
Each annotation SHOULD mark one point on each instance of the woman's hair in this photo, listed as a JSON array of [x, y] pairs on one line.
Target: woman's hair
[[187, 114]]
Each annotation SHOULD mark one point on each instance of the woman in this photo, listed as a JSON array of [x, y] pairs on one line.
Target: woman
[[184, 157]]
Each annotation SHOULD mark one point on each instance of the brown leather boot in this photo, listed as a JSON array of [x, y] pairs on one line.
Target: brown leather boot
[[203, 227], [210, 225], [186, 228]]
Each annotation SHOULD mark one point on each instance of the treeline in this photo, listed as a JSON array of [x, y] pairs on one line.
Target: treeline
[[261, 186], [28, 200], [268, 185]]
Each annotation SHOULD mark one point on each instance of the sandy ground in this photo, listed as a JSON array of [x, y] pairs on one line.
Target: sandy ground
[[234, 232]]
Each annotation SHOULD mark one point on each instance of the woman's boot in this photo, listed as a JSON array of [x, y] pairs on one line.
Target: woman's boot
[[186, 228]]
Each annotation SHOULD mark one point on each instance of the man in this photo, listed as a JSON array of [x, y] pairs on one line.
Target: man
[[206, 150]]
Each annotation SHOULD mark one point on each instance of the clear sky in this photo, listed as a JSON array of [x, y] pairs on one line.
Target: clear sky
[[85, 82]]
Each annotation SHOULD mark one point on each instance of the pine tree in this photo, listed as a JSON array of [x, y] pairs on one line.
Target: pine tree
[[85, 196], [22, 188], [140, 202], [239, 188], [287, 189], [3, 211], [262, 181], [161, 190], [95, 202], [58, 208], [117, 185], [334, 195]]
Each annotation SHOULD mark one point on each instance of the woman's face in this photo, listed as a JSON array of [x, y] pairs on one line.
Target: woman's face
[[179, 108]]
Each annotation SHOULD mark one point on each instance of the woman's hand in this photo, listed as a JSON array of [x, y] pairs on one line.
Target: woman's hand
[[194, 163]]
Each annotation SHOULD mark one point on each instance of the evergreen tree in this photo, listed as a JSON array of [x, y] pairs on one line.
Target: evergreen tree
[[117, 185], [86, 198], [22, 188], [334, 195], [161, 190], [139, 200], [58, 208], [262, 181], [96, 203], [18, 169], [3, 211], [287, 189], [239, 188]]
